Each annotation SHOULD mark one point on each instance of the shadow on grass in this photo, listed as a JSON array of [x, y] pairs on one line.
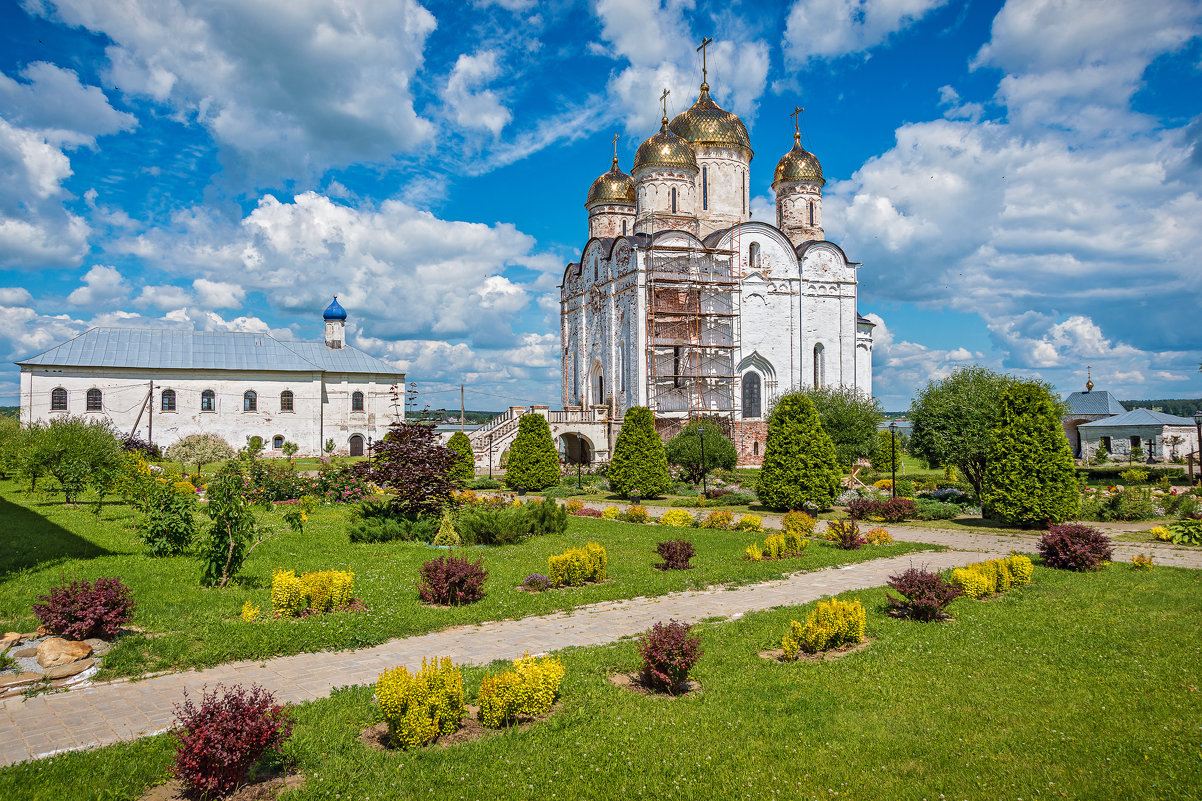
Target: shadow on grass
[[31, 540]]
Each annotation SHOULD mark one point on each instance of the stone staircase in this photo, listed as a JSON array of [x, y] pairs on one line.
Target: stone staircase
[[494, 437]]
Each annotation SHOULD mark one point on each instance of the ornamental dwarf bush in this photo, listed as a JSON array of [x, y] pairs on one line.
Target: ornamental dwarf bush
[[221, 739], [316, 593], [890, 510], [637, 514], [610, 513], [639, 465], [447, 535], [676, 555], [533, 461], [993, 576], [669, 652], [491, 524], [677, 518], [925, 594], [778, 546], [845, 534], [452, 581], [801, 523], [753, 523], [418, 708], [720, 519], [465, 465], [578, 566], [1071, 546], [831, 624], [878, 536], [85, 609], [529, 690], [800, 469]]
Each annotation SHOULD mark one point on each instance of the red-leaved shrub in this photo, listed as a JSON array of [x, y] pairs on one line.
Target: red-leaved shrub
[[926, 594], [1072, 546], [845, 534], [85, 609], [587, 512], [891, 510], [669, 652], [452, 581], [676, 554], [220, 739]]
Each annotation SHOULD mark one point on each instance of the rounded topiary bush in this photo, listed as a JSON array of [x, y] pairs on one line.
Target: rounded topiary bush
[[533, 462], [800, 469], [639, 465]]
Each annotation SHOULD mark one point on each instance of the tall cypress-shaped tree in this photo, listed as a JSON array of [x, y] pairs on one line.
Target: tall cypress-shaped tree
[[1030, 478], [639, 465], [800, 469], [465, 466], [533, 461]]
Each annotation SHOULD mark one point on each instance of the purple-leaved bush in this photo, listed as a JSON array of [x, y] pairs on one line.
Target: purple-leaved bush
[[926, 594], [1072, 546], [220, 739], [85, 609], [845, 534], [669, 652], [537, 582], [676, 554], [452, 581], [891, 510]]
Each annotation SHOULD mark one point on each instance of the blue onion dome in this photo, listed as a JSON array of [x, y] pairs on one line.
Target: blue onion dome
[[335, 311]]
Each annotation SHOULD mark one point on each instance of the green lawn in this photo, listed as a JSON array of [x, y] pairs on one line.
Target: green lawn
[[1079, 686], [194, 626]]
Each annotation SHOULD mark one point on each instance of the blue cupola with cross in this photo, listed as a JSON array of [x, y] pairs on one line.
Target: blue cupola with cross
[[335, 317]]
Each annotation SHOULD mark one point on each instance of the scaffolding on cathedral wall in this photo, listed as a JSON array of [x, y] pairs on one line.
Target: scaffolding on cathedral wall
[[693, 333]]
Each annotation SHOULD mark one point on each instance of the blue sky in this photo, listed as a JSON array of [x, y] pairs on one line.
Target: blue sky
[[1020, 179]]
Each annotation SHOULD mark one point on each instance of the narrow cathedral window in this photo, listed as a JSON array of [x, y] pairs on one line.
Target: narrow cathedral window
[[95, 401], [286, 401], [819, 365], [168, 404], [673, 201], [811, 212], [623, 228], [356, 401], [250, 401], [208, 401], [751, 395], [753, 255], [705, 189], [277, 442], [58, 400]]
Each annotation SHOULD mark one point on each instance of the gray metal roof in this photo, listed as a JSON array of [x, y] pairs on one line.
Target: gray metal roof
[[1094, 402], [1141, 417], [147, 348]]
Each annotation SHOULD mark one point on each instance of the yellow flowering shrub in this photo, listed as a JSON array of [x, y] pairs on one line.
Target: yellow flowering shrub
[[418, 708], [794, 542], [777, 546], [1021, 568], [677, 518], [831, 624], [1161, 533], [286, 593], [799, 523], [753, 552], [993, 576], [774, 546], [528, 690], [636, 513], [575, 506], [1141, 562], [250, 612], [320, 591], [610, 513], [972, 582], [884, 483], [577, 566], [720, 519], [878, 536], [750, 523], [465, 497]]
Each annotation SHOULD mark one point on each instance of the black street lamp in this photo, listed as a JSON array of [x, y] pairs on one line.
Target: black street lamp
[[1198, 449], [893, 457]]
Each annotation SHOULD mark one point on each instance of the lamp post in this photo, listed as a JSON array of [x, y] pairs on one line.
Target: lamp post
[[893, 457], [1198, 444], [490, 457]]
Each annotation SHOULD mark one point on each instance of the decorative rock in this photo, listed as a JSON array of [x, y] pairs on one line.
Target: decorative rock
[[57, 651], [9, 640], [19, 680], [25, 653], [63, 671], [41, 632], [99, 647]]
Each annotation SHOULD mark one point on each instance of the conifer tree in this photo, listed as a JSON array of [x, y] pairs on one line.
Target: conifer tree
[[1030, 477], [800, 469], [639, 465], [533, 461], [465, 467]]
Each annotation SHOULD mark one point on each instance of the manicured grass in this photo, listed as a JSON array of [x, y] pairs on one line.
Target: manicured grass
[[194, 626], [1079, 686]]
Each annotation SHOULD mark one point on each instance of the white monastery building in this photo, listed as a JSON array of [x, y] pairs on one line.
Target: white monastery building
[[166, 384], [680, 302]]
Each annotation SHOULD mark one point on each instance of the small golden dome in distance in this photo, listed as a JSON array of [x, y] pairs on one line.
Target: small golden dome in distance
[[665, 150], [614, 186], [798, 165]]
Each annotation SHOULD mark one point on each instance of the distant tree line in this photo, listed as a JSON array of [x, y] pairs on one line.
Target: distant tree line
[[1182, 407]]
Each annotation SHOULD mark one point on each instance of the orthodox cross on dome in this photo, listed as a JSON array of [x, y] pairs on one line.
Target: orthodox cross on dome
[[664, 98], [615, 147], [705, 42], [1088, 378], [797, 119]]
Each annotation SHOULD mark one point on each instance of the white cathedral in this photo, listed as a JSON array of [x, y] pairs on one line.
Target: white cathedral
[[682, 303]]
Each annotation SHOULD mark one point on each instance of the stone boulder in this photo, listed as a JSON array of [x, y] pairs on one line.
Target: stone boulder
[[56, 651], [9, 640]]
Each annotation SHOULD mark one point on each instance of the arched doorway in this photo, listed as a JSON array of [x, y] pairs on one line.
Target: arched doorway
[[574, 449], [356, 443]]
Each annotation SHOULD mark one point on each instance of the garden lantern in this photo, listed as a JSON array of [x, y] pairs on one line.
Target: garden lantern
[[893, 457]]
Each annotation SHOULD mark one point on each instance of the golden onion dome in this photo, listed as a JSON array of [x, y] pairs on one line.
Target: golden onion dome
[[614, 186], [798, 165], [707, 123], [665, 150]]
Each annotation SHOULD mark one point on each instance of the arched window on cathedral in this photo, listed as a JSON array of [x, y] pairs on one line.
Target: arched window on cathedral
[[623, 228], [705, 189], [599, 388], [753, 256], [751, 395], [356, 401], [95, 401], [819, 365], [208, 401], [811, 212], [58, 400], [287, 401], [673, 201], [168, 400], [250, 401]]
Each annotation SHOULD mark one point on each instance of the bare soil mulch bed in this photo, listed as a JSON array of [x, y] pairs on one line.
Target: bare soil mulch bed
[[830, 655], [634, 683], [263, 788], [470, 729]]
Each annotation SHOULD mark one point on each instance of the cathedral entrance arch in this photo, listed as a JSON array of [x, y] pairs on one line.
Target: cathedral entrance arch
[[575, 448], [356, 445]]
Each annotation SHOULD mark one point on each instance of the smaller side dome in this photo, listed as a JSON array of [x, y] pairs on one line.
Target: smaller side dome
[[334, 311], [614, 186], [798, 165], [666, 150]]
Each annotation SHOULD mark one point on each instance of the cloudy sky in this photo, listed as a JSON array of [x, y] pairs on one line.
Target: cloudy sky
[[1020, 179]]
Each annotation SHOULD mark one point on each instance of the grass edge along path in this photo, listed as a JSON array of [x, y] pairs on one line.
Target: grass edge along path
[[109, 713], [1036, 693]]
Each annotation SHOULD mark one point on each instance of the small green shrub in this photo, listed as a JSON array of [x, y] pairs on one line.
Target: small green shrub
[[484, 524]]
